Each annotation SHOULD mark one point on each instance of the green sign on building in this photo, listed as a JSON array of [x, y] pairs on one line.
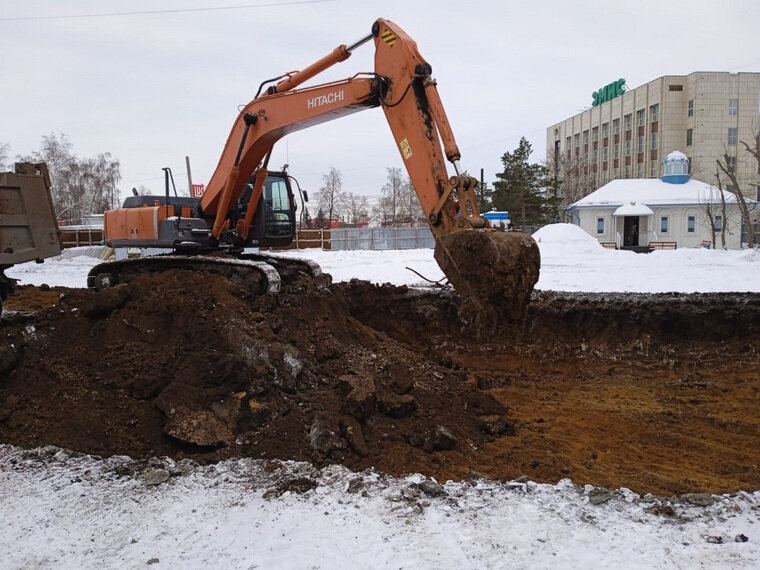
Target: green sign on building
[[608, 92]]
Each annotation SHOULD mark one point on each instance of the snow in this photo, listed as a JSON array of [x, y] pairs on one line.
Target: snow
[[62, 510], [654, 192], [571, 260], [74, 511]]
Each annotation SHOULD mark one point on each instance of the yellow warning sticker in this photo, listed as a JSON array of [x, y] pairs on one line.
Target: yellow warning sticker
[[406, 149], [389, 37]]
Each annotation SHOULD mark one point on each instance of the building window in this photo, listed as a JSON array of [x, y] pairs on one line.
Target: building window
[[627, 171], [628, 147], [585, 137], [640, 170], [690, 108], [654, 142], [616, 150], [577, 140], [605, 153], [675, 87], [733, 135], [689, 136], [733, 107], [688, 158], [641, 116], [664, 224], [718, 223], [594, 156], [654, 113], [616, 127], [605, 130], [640, 146], [731, 163], [628, 122], [653, 169], [568, 140], [600, 225], [595, 134], [691, 224], [730, 188]]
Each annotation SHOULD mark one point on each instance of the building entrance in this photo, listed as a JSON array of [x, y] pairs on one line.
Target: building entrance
[[631, 231]]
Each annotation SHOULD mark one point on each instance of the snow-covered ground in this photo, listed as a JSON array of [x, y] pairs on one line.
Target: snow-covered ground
[[70, 511], [571, 260]]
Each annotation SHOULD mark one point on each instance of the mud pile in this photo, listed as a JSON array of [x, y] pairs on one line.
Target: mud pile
[[657, 393]]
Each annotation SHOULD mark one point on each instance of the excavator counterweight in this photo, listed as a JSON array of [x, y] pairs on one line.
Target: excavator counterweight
[[493, 271]]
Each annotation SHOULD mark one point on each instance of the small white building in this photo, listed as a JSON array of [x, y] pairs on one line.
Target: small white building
[[672, 211]]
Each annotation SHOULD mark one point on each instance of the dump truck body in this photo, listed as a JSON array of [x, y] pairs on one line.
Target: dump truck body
[[28, 226]]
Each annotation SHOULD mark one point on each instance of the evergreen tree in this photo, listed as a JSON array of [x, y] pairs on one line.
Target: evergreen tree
[[521, 188], [306, 217], [320, 219], [484, 195]]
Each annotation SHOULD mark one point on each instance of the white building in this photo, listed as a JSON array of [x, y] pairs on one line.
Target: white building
[[672, 211]]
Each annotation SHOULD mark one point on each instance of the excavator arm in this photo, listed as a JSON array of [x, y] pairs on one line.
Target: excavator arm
[[402, 85]]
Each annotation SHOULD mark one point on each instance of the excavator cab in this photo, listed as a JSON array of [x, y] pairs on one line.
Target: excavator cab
[[274, 223]]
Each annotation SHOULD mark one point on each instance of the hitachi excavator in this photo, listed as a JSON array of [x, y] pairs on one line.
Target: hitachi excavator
[[245, 204]]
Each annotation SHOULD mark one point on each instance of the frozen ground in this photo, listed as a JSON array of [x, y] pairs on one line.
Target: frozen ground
[[64, 511]]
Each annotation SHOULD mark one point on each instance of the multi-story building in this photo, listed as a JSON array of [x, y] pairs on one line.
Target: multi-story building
[[626, 134]]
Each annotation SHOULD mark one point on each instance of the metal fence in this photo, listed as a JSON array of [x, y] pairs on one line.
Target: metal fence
[[381, 238]]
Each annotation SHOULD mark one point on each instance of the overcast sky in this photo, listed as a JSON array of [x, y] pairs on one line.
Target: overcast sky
[[153, 88]]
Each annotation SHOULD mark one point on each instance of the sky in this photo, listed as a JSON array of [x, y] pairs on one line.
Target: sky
[[152, 88]]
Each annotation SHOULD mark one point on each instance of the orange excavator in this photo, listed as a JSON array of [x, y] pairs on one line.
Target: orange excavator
[[245, 204]]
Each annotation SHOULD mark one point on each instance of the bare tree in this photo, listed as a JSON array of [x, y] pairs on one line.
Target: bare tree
[[573, 182], [390, 194], [4, 149], [330, 193], [354, 206], [727, 166], [712, 216], [408, 205], [79, 186], [382, 212]]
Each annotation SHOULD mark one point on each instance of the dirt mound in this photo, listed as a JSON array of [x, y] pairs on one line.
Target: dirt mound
[[652, 392]]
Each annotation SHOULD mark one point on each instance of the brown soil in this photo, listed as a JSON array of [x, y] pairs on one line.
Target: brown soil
[[657, 393]]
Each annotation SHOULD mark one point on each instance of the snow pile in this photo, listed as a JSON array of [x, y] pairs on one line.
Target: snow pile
[[750, 256], [558, 240]]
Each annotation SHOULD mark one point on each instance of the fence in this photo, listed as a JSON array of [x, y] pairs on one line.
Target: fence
[[75, 237], [339, 239], [381, 238], [363, 238]]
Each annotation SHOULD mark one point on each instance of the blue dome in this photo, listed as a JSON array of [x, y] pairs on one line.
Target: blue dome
[[675, 168]]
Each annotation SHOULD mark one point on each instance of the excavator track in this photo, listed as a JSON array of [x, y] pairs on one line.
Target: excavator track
[[261, 273], [261, 277], [287, 267]]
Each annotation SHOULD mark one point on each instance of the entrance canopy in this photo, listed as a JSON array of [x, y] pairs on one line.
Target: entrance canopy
[[633, 209]]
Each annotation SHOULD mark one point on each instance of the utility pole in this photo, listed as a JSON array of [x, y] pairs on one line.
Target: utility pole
[[555, 203], [394, 199], [189, 177], [482, 191]]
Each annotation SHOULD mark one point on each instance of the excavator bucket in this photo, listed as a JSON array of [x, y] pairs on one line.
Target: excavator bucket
[[493, 271]]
